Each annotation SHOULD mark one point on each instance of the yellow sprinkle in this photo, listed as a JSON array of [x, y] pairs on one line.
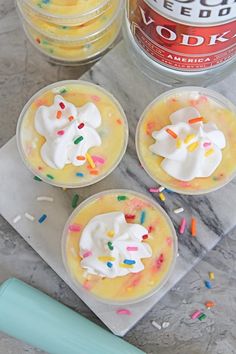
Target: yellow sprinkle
[[123, 265], [211, 276], [189, 137], [162, 197], [193, 146], [111, 233], [178, 143], [90, 160], [106, 259], [209, 152]]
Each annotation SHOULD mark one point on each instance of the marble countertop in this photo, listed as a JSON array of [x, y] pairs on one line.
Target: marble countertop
[[22, 72]]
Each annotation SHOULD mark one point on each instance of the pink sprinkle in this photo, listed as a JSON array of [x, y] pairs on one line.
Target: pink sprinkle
[[96, 98], [98, 160], [123, 312], [169, 241], [74, 228], [60, 132], [87, 254], [130, 248], [182, 226], [153, 190], [206, 145], [195, 315], [61, 104], [87, 285]]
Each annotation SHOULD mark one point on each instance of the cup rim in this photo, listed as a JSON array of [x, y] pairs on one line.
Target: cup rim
[[55, 85], [86, 202], [218, 98]]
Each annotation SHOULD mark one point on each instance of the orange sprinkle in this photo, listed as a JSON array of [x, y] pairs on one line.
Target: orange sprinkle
[[94, 172], [209, 304], [80, 158], [194, 227], [59, 114], [169, 131], [195, 120], [71, 118], [119, 121]]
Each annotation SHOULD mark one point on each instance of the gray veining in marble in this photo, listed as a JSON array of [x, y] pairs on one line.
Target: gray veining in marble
[[23, 71]]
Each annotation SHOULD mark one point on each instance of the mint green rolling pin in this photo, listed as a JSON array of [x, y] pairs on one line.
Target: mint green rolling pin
[[33, 317]]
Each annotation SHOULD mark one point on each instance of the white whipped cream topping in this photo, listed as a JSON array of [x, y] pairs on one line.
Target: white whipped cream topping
[[196, 152], [59, 148], [126, 243]]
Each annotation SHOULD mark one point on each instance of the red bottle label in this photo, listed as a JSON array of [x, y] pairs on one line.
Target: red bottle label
[[178, 45]]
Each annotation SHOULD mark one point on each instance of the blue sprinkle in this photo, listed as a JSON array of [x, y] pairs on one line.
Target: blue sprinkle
[[142, 217], [208, 284], [109, 264], [42, 218], [168, 191], [45, 1], [79, 174], [129, 261]]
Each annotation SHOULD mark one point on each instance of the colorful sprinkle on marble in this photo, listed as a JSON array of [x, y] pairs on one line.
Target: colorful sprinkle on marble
[[182, 226], [162, 197], [29, 217], [178, 210], [211, 275], [195, 314], [208, 284], [210, 304], [42, 218], [36, 178], [123, 312], [75, 201], [193, 227], [16, 219]]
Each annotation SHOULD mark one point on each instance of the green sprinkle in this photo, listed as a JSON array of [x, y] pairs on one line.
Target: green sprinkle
[[63, 90], [50, 176], [45, 42], [202, 317], [75, 200], [121, 197], [78, 140], [142, 217], [36, 178], [110, 246]]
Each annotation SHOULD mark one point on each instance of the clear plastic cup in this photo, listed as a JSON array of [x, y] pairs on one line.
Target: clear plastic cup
[[131, 288], [66, 13], [214, 108], [76, 47], [106, 157]]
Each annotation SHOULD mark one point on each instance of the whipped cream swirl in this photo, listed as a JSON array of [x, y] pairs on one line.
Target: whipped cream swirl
[[110, 247], [190, 147], [69, 132]]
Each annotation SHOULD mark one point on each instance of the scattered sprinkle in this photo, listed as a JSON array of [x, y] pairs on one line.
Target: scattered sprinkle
[[110, 246], [74, 228], [106, 259], [59, 114], [94, 172], [29, 217], [131, 248], [154, 190], [78, 140], [130, 216], [16, 219], [87, 254], [70, 118], [142, 217], [79, 174], [46, 199], [36, 178], [80, 126], [162, 197], [178, 143], [179, 210], [110, 233], [42, 218], [121, 197], [202, 317], [193, 227], [123, 312], [192, 147], [182, 226], [60, 132], [109, 264], [170, 132], [80, 158], [90, 160], [210, 304], [98, 160], [211, 275], [209, 152], [145, 237], [129, 261], [123, 265], [75, 200], [156, 325], [62, 105], [205, 145], [196, 314], [165, 325], [188, 138], [50, 176], [208, 284], [195, 120]]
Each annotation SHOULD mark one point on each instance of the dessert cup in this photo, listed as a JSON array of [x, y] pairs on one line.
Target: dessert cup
[[134, 208], [64, 134], [215, 111]]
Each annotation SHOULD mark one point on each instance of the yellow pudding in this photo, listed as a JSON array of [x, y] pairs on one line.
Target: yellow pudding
[[59, 140], [215, 110], [160, 238], [56, 31]]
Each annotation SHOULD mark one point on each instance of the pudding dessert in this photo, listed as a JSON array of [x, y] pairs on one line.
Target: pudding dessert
[[120, 246], [185, 140], [64, 133]]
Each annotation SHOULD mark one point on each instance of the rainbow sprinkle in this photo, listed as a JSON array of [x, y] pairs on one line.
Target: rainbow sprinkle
[[189, 137], [132, 248], [106, 259], [42, 218], [109, 264], [80, 126], [195, 120], [74, 228], [129, 261], [123, 265], [78, 140], [192, 147], [90, 160], [123, 312], [121, 197], [171, 133]]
